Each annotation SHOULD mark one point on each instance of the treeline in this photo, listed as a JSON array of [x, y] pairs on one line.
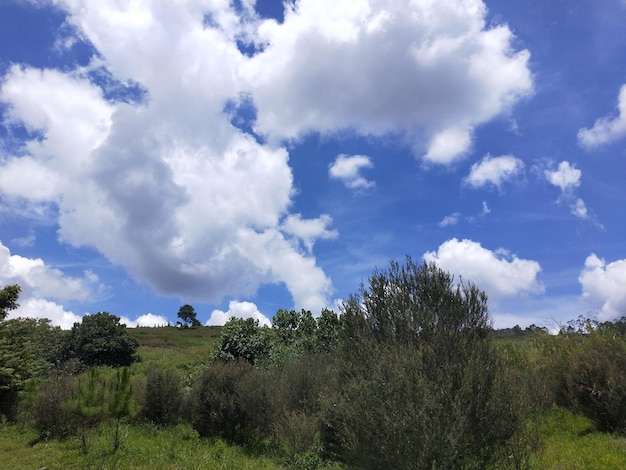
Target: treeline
[[409, 375]]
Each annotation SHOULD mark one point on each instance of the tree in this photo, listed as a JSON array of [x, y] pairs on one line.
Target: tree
[[29, 348], [101, 340], [188, 316], [8, 299], [242, 339], [420, 384]]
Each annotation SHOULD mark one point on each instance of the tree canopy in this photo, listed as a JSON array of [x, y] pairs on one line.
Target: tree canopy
[[187, 314], [101, 339], [8, 299]]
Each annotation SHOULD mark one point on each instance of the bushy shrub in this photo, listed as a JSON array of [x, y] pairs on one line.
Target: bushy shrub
[[592, 371], [229, 401], [162, 397], [421, 384], [51, 416]]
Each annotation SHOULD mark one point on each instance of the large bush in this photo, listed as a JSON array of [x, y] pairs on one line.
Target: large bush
[[421, 384]]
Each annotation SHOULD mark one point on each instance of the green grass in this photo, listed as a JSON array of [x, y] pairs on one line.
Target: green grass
[[185, 349], [142, 447], [570, 442]]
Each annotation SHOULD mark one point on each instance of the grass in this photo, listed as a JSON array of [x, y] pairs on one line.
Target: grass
[[570, 442], [143, 447], [185, 349]]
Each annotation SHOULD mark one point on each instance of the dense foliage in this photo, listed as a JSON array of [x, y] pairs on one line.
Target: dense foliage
[[101, 340]]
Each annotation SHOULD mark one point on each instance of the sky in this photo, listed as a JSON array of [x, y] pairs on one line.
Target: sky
[[245, 157]]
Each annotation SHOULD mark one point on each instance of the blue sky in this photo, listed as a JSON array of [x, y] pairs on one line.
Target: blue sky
[[248, 156]]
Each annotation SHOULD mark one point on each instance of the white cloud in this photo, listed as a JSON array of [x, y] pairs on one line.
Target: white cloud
[[40, 283], [347, 168], [148, 319], [166, 188], [308, 230], [498, 273], [429, 71], [451, 219], [566, 177], [603, 287], [40, 280], [33, 307], [239, 310], [494, 170], [486, 210], [607, 129]]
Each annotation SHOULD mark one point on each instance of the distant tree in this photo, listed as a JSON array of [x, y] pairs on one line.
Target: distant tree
[[101, 340], [8, 299], [187, 314]]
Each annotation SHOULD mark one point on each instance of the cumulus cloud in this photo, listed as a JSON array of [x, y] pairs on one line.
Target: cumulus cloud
[[239, 310], [347, 168], [40, 283], [494, 171], [499, 273], [430, 71], [603, 287], [567, 178], [607, 129], [164, 184], [165, 187], [148, 319]]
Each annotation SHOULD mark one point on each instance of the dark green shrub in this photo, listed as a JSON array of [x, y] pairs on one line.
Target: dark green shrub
[[162, 397], [420, 383], [593, 378], [219, 405], [50, 413]]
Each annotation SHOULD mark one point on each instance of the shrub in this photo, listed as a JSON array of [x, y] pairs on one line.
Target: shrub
[[51, 416], [163, 397], [226, 403], [420, 384]]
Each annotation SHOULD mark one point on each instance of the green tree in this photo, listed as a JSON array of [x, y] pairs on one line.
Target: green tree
[[101, 340], [420, 385], [8, 299], [242, 339], [29, 348], [119, 401], [187, 314]]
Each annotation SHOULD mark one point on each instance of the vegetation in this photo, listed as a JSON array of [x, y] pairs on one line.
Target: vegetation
[[410, 375]]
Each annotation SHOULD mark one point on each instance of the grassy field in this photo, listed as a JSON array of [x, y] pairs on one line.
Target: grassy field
[[569, 441]]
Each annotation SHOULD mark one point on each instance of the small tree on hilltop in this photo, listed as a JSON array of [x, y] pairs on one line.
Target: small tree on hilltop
[[187, 314]]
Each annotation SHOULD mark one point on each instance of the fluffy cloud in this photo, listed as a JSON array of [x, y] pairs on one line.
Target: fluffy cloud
[[567, 178], [239, 310], [148, 319], [347, 168], [430, 71], [166, 186], [494, 170], [498, 273], [32, 307], [39, 280], [606, 129], [603, 287], [39, 283], [162, 183]]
